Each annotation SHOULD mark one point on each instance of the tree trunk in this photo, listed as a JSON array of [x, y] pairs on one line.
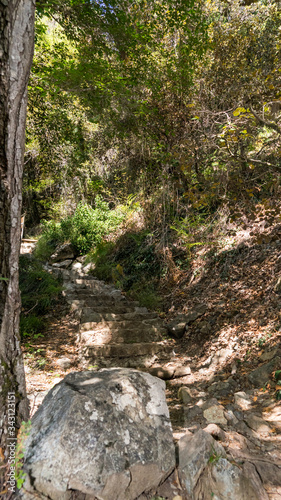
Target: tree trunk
[[16, 50]]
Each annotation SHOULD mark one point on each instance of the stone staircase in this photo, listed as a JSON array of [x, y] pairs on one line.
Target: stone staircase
[[114, 331]]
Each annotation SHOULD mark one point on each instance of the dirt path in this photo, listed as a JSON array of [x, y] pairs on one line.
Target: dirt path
[[231, 355]]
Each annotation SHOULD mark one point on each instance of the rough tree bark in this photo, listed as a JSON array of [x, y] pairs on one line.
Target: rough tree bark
[[16, 50]]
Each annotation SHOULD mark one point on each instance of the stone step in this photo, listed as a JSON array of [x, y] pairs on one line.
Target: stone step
[[118, 309], [114, 309], [105, 335], [153, 324], [89, 315], [140, 355], [95, 298], [104, 293], [93, 284], [108, 305], [72, 275], [88, 278]]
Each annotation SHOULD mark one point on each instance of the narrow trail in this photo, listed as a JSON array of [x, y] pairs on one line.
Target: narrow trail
[[104, 329]]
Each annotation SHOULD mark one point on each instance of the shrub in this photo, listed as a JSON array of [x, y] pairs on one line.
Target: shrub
[[85, 229], [52, 235], [133, 264], [39, 292]]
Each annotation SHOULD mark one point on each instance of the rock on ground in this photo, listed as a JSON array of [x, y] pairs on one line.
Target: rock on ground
[[206, 473], [105, 434], [62, 253]]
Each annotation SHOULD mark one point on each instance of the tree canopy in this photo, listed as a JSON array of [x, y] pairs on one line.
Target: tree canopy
[[126, 97]]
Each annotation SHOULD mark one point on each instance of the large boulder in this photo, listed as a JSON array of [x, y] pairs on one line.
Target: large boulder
[[104, 434]]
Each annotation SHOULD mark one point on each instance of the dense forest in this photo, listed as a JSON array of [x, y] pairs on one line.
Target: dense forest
[[153, 130], [153, 160]]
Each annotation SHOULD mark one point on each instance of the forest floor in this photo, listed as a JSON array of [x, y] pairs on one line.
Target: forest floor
[[233, 348], [241, 292]]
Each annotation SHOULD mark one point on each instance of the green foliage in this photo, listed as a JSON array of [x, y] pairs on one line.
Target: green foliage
[[263, 340], [39, 292], [31, 324], [103, 258], [52, 235], [19, 455], [178, 108], [214, 457], [278, 395], [103, 77], [133, 264], [147, 294], [85, 229], [88, 226], [179, 105]]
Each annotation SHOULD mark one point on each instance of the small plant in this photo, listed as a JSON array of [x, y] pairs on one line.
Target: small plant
[[39, 292], [214, 457], [22, 435], [41, 363], [264, 339], [277, 376]]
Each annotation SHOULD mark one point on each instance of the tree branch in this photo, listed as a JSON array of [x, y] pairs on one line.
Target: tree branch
[[267, 123]]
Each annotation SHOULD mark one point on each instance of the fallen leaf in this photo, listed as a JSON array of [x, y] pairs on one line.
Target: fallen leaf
[[225, 401]]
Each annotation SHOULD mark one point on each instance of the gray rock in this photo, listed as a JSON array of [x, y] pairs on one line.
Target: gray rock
[[63, 252], [105, 434], [194, 453], [205, 472], [261, 375], [65, 264], [268, 355], [184, 394], [177, 328], [194, 314], [64, 363], [220, 388], [76, 266], [182, 371], [215, 415], [243, 400], [223, 480], [220, 357], [258, 425]]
